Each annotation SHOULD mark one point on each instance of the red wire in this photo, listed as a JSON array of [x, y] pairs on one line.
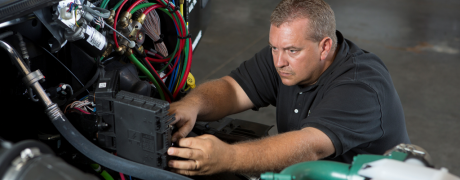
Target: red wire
[[187, 70], [152, 8], [122, 176], [134, 5], [167, 97], [115, 23], [158, 60], [84, 112]]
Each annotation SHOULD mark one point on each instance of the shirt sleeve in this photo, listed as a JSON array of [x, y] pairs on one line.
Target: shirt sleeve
[[349, 114], [258, 78]]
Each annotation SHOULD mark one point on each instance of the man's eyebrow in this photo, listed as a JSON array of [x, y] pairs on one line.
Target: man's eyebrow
[[292, 47], [286, 48]]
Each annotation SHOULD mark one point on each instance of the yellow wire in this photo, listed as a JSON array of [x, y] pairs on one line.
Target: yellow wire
[[182, 9], [76, 17]]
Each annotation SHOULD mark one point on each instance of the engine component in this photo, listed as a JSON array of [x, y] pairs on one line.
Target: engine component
[[34, 160], [16, 8], [77, 140], [68, 16], [232, 130], [396, 164], [93, 42], [140, 129]]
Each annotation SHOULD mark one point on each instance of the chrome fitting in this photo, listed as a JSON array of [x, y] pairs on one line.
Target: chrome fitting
[[124, 20]]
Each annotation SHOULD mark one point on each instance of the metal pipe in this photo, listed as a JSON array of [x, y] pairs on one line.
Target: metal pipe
[[17, 60], [19, 63]]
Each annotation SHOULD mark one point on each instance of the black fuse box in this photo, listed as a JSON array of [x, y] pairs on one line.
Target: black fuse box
[[140, 130]]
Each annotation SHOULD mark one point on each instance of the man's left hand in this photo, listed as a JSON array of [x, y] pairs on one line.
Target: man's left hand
[[206, 155]]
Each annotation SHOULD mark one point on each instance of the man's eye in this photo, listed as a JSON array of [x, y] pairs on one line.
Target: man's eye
[[293, 51], [274, 48]]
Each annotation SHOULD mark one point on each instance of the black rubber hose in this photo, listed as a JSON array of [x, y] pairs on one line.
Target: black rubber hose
[[108, 160], [158, 79], [12, 153]]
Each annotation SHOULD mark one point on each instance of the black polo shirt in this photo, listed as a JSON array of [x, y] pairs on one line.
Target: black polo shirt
[[353, 102]]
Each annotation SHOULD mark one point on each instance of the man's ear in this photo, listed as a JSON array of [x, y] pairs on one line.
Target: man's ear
[[325, 47]]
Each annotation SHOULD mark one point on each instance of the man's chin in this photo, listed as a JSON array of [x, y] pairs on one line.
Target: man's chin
[[288, 82]]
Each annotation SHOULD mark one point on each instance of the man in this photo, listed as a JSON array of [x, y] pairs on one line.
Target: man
[[334, 100]]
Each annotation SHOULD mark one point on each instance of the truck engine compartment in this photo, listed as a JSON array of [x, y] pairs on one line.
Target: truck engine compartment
[[89, 83]]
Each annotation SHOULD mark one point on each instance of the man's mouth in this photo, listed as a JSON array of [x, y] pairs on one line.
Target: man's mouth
[[285, 74]]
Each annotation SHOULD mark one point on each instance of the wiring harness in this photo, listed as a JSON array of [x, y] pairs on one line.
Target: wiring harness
[[175, 65]]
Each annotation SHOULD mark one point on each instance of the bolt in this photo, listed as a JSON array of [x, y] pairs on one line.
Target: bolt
[[140, 37]]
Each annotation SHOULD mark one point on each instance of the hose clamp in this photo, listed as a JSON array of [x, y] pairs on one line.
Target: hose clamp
[[53, 112], [33, 77]]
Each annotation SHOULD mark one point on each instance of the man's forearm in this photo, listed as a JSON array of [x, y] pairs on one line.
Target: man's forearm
[[278, 152], [214, 99]]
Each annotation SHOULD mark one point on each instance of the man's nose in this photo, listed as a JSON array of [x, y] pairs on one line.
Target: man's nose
[[280, 60]]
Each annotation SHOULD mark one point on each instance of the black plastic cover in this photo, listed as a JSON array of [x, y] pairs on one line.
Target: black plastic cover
[[142, 128], [139, 128], [10, 9], [232, 130]]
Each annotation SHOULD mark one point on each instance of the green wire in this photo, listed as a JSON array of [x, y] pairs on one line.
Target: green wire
[[177, 44], [171, 60], [174, 53], [106, 175], [146, 72], [104, 3], [117, 5], [140, 6]]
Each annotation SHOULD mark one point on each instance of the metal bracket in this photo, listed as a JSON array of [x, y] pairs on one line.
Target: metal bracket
[[33, 77]]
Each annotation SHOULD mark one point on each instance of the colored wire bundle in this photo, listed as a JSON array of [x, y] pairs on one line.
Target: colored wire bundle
[[175, 65], [180, 59], [152, 27], [82, 106]]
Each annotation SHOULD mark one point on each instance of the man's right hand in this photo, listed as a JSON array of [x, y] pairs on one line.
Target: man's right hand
[[186, 114], [211, 101]]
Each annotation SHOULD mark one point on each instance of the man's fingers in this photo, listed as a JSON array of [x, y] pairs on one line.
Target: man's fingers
[[183, 131], [185, 153], [185, 165]]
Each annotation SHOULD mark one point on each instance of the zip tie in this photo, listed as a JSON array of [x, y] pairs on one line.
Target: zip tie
[[185, 37]]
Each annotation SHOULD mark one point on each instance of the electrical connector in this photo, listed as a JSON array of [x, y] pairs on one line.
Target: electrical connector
[[191, 80]]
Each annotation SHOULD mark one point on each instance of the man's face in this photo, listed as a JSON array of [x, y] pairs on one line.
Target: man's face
[[297, 59]]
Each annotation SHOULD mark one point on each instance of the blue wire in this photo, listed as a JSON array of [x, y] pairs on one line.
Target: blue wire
[[177, 73], [171, 82], [130, 178], [83, 98]]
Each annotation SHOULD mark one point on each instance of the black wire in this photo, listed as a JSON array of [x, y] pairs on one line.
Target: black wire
[[88, 84], [158, 79], [82, 85]]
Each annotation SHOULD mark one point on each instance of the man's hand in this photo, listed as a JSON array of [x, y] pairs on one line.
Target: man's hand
[[206, 155], [186, 114]]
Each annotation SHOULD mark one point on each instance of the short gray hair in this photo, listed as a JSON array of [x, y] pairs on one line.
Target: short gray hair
[[320, 14]]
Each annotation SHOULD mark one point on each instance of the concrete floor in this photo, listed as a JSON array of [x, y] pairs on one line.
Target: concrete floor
[[418, 40]]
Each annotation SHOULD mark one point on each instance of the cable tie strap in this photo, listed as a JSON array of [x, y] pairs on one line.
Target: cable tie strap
[[188, 36], [159, 40], [170, 8]]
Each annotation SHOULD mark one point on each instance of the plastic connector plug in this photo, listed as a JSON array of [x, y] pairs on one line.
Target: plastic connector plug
[[64, 14], [191, 81]]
